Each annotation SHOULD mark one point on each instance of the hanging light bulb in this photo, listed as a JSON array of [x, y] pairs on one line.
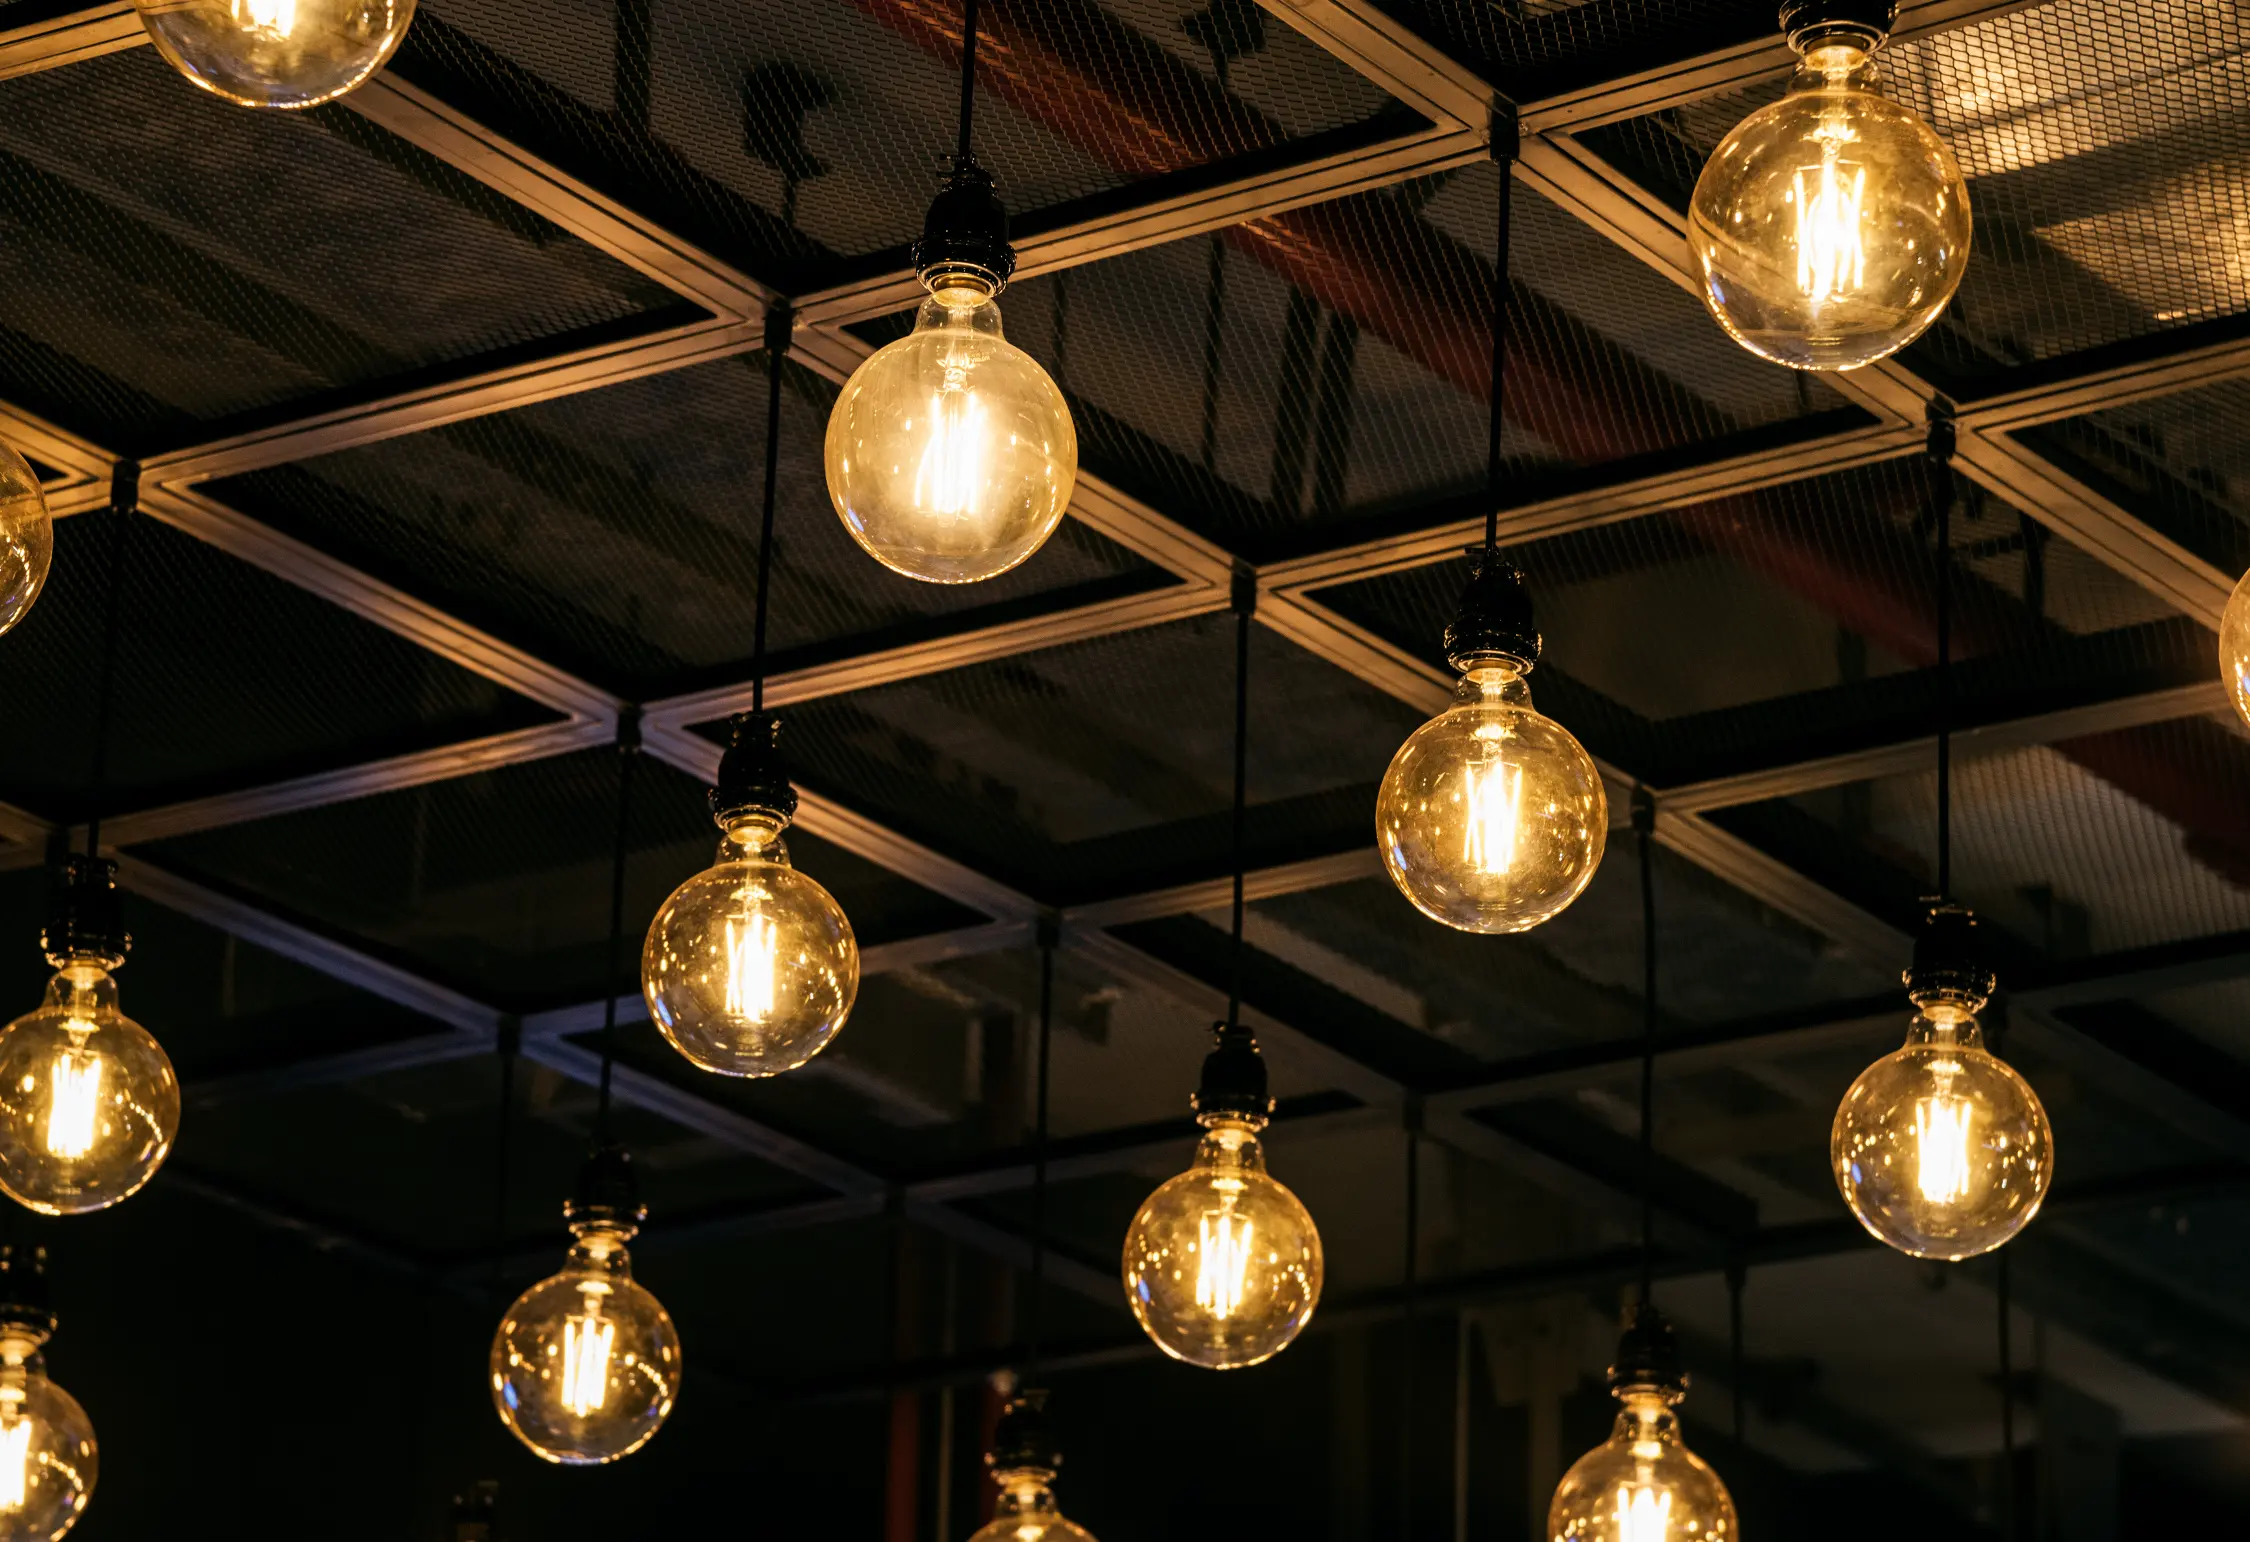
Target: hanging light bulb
[[1643, 1484], [1491, 817], [586, 1365], [750, 967], [1023, 1461], [1941, 1149], [89, 1106], [2234, 647], [48, 1460], [27, 537], [951, 454], [1223, 1264], [276, 53], [1830, 228]]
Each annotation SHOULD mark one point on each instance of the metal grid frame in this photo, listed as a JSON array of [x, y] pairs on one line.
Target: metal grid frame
[[1458, 105]]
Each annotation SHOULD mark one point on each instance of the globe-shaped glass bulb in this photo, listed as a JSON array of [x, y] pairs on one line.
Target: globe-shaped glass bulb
[[1830, 228], [951, 455], [1025, 1511], [750, 967], [1491, 817], [27, 537], [89, 1106], [1942, 1151], [1223, 1264], [586, 1365], [1643, 1484], [276, 53], [2234, 647], [48, 1460]]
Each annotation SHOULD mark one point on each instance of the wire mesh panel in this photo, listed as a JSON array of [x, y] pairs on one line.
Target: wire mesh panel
[[1539, 48], [616, 532], [170, 260], [1082, 769], [2177, 462], [2104, 146], [780, 134], [227, 677], [501, 882], [1801, 621]]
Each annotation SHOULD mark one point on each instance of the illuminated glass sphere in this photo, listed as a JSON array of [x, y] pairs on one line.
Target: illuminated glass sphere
[[1830, 229], [1491, 817], [1941, 1150], [1222, 1264], [27, 537], [586, 1365], [48, 1460], [1643, 1484], [89, 1106], [276, 53], [2234, 647], [750, 967], [951, 454]]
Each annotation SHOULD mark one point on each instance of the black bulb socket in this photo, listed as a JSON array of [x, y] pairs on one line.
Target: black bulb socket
[[24, 1299], [608, 1195], [753, 774], [85, 923], [1234, 1078], [1024, 1440], [1806, 22], [965, 234], [1950, 966], [1493, 623], [1648, 1355]]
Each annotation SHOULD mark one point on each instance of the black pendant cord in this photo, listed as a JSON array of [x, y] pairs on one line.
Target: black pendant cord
[[1504, 150], [1038, 1312], [1738, 1276], [2007, 1412], [124, 504], [1245, 602], [1941, 500], [628, 754], [1644, 834], [510, 1042], [962, 158], [1407, 1376], [780, 323]]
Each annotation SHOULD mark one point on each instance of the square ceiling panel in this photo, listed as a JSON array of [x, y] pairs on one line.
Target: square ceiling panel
[[615, 532], [2084, 847], [171, 261], [1328, 369], [784, 136], [1800, 621], [2105, 147], [227, 678], [499, 883], [1107, 766]]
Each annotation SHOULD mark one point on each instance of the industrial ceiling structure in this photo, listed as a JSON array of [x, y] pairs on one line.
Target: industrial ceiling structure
[[446, 409]]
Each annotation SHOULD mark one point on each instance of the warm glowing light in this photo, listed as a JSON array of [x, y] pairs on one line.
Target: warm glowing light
[[1222, 1271], [1941, 1143], [276, 16], [586, 1346], [751, 967], [949, 478], [74, 1098], [15, 1463], [1495, 796], [1643, 1514], [1831, 247]]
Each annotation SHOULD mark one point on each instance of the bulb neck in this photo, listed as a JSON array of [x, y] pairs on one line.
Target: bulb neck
[[1026, 1491], [1494, 681], [1864, 25], [20, 1343], [600, 1248], [84, 991], [1648, 1423], [1945, 1025], [1230, 1144], [961, 304]]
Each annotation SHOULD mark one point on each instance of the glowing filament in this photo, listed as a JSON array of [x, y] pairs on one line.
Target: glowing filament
[[15, 1463], [74, 1084], [751, 967], [1643, 1514], [1831, 247], [1222, 1272], [1941, 1139], [585, 1357], [1495, 798], [950, 478], [275, 16]]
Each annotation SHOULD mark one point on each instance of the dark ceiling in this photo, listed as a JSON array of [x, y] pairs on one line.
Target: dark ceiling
[[447, 403]]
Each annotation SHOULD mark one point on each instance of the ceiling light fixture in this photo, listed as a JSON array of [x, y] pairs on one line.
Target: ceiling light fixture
[[1942, 1149], [89, 1105], [1491, 817], [1643, 1484], [276, 53], [951, 455], [48, 1459], [1223, 1264], [750, 967], [586, 1364], [1830, 228], [27, 537]]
